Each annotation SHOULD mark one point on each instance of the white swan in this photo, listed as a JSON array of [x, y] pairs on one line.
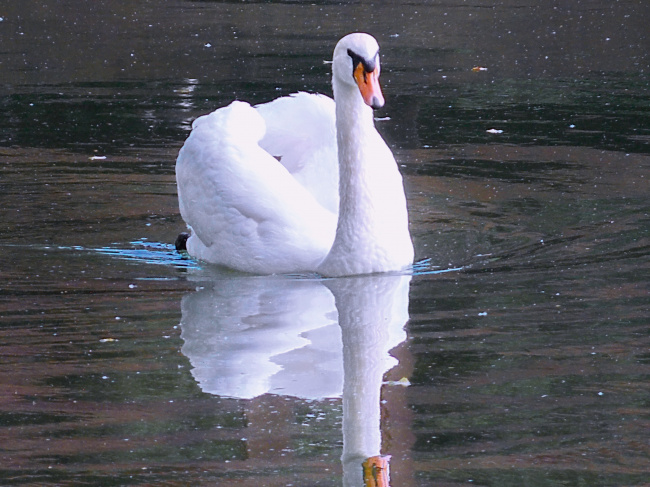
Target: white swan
[[300, 183]]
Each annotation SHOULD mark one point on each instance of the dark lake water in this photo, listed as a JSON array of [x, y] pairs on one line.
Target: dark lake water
[[518, 354]]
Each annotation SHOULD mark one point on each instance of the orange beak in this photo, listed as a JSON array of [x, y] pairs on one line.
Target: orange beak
[[368, 83]]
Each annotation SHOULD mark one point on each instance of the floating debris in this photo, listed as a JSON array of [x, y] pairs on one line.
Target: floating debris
[[404, 382]]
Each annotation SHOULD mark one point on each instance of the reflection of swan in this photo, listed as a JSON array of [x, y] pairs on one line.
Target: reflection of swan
[[251, 212], [372, 313], [249, 336]]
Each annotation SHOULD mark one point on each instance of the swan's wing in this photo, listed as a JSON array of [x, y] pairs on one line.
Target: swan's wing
[[301, 132], [245, 209]]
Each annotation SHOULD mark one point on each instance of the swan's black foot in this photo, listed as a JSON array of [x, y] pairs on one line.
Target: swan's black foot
[[181, 241]]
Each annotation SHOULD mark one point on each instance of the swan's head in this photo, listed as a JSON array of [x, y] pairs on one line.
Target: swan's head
[[356, 65]]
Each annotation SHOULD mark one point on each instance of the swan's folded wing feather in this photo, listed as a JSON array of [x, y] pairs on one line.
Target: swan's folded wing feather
[[296, 122], [202, 175], [241, 202], [301, 132]]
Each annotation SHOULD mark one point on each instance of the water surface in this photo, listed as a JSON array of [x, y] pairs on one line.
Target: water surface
[[524, 363]]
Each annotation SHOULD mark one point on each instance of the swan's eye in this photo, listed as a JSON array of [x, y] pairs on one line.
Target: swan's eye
[[368, 65]]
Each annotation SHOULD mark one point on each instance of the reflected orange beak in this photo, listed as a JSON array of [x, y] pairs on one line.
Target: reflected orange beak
[[368, 83], [375, 471]]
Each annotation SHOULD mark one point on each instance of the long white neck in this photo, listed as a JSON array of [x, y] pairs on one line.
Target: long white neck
[[355, 128], [372, 232]]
